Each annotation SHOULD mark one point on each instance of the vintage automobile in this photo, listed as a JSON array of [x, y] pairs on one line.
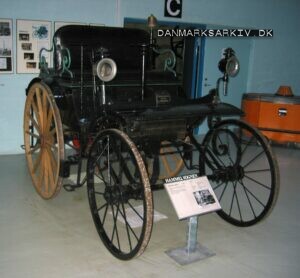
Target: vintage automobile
[[105, 107]]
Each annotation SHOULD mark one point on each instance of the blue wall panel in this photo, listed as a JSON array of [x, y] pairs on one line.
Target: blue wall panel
[[273, 61]]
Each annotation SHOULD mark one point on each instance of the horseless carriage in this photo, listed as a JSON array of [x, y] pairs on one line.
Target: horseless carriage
[[132, 126]]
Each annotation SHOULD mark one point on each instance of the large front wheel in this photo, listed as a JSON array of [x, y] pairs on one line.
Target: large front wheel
[[119, 194], [243, 172]]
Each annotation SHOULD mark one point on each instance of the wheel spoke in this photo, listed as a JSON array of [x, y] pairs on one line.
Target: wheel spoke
[[258, 171], [135, 210], [176, 159], [53, 148], [217, 186], [45, 112], [52, 132], [34, 149], [124, 169], [40, 107], [35, 124], [225, 186], [253, 159], [256, 181], [247, 189], [37, 163], [215, 158], [108, 161], [46, 174], [33, 134], [101, 178], [105, 213], [102, 207], [115, 229], [49, 120], [41, 177], [122, 164], [101, 154], [227, 153], [51, 172], [233, 195], [166, 165], [53, 160], [127, 225], [247, 145], [237, 201], [252, 209], [36, 112]]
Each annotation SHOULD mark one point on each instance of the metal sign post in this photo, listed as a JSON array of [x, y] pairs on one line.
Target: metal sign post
[[193, 251]]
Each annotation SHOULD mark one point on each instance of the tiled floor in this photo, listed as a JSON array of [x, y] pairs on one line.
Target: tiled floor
[[57, 238]]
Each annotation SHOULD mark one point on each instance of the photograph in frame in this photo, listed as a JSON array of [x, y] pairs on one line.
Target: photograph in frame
[[6, 46], [32, 36]]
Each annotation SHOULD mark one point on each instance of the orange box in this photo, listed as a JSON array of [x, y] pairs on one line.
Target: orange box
[[278, 117]]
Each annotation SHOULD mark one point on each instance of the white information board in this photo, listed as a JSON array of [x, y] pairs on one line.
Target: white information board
[[32, 36], [6, 47], [191, 195]]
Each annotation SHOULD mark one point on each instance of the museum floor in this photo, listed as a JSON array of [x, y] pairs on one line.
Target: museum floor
[[57, 238]]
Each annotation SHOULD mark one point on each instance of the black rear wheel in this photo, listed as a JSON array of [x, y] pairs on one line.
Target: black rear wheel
[[119, 194], [243, 172]]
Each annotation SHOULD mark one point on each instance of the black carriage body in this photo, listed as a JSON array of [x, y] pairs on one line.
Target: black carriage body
[[155, 107]]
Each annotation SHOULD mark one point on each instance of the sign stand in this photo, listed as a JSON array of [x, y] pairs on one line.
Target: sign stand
[[191, 196], [193, 251]]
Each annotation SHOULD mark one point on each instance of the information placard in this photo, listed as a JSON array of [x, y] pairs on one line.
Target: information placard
[[191, 195], [6, 47], [32, 36]]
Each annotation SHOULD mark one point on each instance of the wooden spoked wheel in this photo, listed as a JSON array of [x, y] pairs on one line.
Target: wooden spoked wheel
[[165, 165], [119, 194], [170, 164], [43, 137]]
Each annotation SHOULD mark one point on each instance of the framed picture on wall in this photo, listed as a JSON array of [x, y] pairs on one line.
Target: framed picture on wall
[[6, 46], [32, 36]]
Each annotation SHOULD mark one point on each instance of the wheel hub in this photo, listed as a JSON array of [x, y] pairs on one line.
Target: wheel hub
[[46, 140], [112, 195], [230, 173], [120, 194], [235, 173]]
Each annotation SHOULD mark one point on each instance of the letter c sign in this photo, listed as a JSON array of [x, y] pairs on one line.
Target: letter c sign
[[173, 8]]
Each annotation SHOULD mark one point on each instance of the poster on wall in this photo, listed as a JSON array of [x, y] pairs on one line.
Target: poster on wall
[[32, 36], [6, 48]]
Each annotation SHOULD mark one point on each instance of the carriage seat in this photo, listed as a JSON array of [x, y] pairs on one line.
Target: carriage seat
[[81, 42]]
